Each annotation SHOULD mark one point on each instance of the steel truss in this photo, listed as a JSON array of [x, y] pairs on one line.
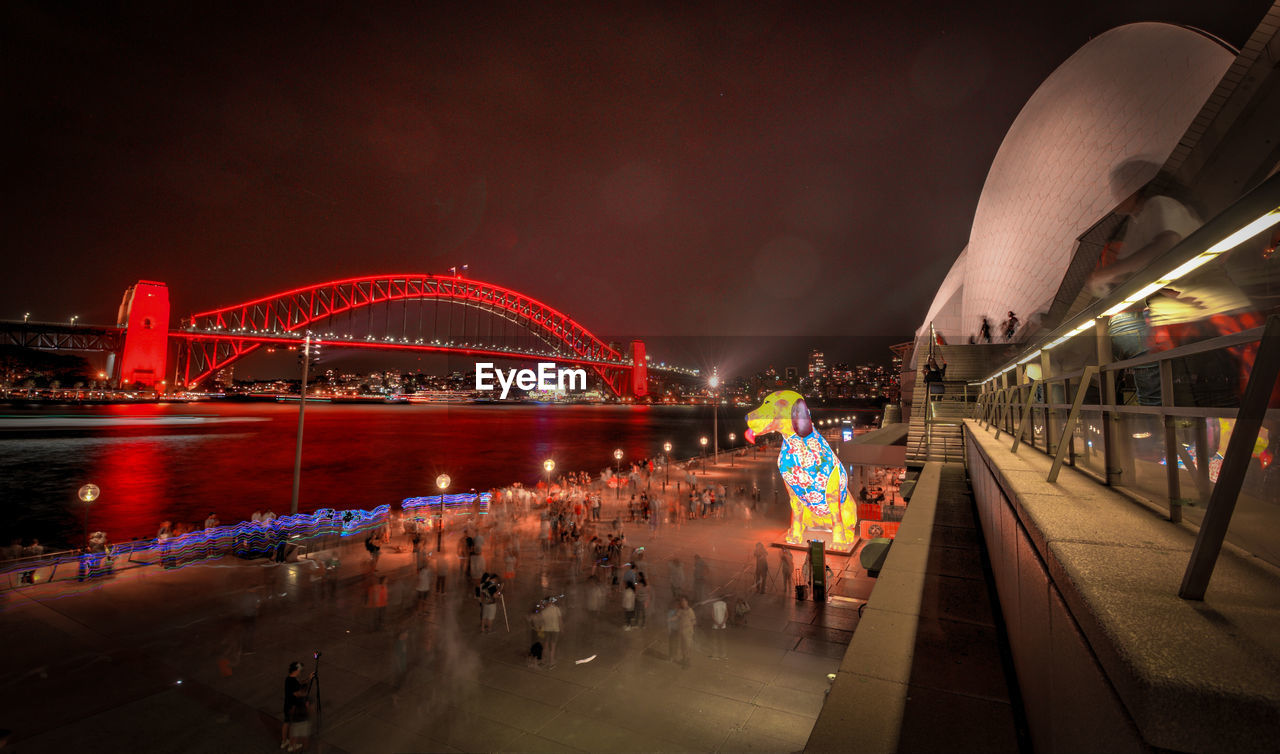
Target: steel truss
[[54, 337], [211, 340]]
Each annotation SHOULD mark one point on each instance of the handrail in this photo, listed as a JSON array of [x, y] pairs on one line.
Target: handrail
[[1259, 201], [1007, 409]]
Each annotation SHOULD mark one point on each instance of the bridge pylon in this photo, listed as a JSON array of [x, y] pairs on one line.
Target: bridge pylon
[[639, 370], [144, 313]]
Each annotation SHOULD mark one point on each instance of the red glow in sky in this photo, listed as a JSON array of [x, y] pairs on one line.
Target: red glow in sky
[[716, 169]]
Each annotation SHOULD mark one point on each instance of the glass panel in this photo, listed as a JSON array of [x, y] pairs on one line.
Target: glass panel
[[1088, 443], [1257, 515], [1194, 482], [1212, 379], [1058, 420], [1256, 519], [1140, 456], [1038, 435]]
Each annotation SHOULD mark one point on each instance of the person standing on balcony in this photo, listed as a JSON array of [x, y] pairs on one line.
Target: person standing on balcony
[[933, 377], [984, 332], [1154, 224], [1010, 326]]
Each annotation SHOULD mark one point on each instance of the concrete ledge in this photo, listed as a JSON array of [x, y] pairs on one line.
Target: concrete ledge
[[1192, 676], [868, 700]]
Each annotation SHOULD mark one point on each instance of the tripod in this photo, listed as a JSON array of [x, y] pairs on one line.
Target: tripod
[[314, 685], [773, 576]]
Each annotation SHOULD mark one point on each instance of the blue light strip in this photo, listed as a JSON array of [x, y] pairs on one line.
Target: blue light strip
[[250, 538], [460, 503]]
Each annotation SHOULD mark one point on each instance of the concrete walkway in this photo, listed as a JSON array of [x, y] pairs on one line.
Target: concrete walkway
[[133, 663], [927, 671]]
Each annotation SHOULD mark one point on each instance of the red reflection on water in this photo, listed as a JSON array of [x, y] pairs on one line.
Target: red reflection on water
[[179, 462], [132, 502]]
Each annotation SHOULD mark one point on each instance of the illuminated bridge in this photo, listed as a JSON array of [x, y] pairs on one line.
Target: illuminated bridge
[[424, 313]]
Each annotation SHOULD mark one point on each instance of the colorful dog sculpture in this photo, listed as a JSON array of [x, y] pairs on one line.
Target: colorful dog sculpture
[[816, 481]]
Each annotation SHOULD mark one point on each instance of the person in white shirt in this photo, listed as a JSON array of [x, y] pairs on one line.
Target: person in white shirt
[[629, 606], [719, 623], [425, 579], [551, 629]]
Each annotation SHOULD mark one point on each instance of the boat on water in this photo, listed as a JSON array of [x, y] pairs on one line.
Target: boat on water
[[368, 399], [442, 396]]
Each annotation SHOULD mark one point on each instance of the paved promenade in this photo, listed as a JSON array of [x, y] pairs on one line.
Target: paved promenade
[[140, 662]]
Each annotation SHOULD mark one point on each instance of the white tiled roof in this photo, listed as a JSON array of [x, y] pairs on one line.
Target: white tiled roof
[[1128, 94]]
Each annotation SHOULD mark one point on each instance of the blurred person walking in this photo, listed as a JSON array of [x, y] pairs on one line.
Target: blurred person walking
[[701, 574], [642, 600], [376, 600], [685, 621], [677, 578], [719, 623], [788, 568], [425, 577], [551, 623], [762, 568], [595, 603], [673, 631], [629, 607]]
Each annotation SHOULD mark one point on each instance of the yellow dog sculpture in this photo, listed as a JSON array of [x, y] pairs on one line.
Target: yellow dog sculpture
[[816, 481]]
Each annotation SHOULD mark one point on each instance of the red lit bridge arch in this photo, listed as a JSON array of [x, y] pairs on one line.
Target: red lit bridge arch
[[346, 314]]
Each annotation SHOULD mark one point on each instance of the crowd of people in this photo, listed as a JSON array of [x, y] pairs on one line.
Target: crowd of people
[[565, 544], [578, 549]]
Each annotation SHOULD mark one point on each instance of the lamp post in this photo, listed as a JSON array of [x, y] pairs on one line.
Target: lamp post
[[88, 494], [666, 465], [549, 466], [703, 442], [442, 483], [73, 320], [732, 437], [617, 471], [26, 317], [302, 408], [715, 416]]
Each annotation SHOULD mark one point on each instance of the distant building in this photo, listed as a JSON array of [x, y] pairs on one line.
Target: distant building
[[817, 363]]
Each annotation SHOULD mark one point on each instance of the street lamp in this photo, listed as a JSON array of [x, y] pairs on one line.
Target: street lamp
[[88, 494], [732, 437], [302, 408], [549, 466], [703, 442], [73, 320], [442, 483], [26, 316], [715, 415], [617, 482], [666, 465]]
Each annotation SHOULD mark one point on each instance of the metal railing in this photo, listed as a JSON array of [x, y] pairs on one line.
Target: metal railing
[[1081, 419], [1046, 414], [248, 539], [924, 443]]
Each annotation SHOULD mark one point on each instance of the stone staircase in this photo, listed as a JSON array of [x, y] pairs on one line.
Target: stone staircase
[[934, 427]]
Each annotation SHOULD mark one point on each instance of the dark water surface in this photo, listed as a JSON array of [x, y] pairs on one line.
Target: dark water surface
[[179, 462]]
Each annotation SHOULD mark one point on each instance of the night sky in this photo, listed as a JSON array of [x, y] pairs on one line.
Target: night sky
[[723, 169]]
